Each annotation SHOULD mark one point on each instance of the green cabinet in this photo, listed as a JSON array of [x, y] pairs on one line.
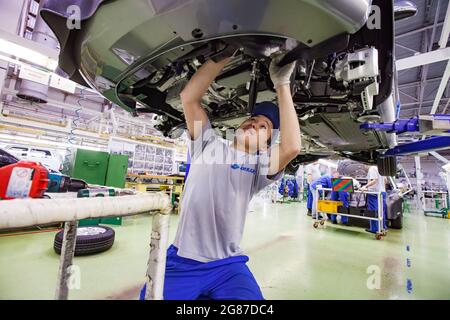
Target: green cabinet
[[117, 171], [102, 168], [90, 166]]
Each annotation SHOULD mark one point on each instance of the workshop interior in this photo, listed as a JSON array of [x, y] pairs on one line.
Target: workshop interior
[[98, 168]]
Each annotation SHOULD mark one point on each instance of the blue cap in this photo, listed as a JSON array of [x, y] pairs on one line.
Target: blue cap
[[269, 110]]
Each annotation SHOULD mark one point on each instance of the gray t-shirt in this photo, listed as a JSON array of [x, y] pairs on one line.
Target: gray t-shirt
[[219, 187]]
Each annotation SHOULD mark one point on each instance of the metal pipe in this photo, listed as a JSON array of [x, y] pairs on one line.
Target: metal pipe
[[21, 213], [157, 257], [65, 261]]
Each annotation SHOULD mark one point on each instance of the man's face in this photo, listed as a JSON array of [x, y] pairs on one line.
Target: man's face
[[254, 132]]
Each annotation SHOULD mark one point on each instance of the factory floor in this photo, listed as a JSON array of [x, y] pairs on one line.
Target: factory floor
[[289, 258]]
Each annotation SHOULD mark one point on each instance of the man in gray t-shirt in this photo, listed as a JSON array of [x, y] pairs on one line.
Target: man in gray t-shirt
[[205, 259]]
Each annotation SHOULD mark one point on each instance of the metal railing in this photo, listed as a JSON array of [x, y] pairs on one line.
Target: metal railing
[[21, 213]]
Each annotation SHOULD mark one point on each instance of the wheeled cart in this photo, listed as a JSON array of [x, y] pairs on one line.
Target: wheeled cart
[[435, 204], [325, 207]]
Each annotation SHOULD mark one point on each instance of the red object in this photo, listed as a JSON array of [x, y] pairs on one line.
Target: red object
[[24, 179]]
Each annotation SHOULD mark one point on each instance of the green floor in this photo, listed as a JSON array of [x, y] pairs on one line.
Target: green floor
[[289, 258]]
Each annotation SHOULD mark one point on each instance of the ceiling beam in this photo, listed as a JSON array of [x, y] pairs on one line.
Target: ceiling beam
[[416, 83], [428, 47], [406, 48], [423, 102], [423, 59], [441, 89], [412, 32], [442, 44], [445, 29], [439, 157]]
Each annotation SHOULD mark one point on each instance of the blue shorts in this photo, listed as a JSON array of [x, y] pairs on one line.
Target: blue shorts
[[225, 279]]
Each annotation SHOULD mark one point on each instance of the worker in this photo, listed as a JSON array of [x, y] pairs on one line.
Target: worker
[[309, 198], [322, 182], [313, 173], [376, 183], [205, 261], [299, 182], [344, 198]]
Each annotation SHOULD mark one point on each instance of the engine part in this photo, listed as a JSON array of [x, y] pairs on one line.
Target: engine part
[[361, 65], [253, 86]]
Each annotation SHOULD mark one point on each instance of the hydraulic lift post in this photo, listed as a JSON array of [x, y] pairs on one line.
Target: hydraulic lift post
[[437, 125]]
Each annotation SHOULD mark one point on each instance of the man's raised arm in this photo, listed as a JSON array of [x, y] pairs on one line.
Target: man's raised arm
[[193, 92], [290, 141]]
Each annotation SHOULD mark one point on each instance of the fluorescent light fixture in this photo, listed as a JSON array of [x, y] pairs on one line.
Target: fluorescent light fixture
[[52, 75], [13, 139], [28, 50], [328, 163], [28, 54], [446, 167]]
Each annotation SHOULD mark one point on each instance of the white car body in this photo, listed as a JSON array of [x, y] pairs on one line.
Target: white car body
[[47, 157]]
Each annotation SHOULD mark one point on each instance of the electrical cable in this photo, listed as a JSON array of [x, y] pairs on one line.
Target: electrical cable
[[71, 138]]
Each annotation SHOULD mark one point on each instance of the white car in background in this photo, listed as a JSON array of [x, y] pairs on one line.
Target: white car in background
[[47, 157]]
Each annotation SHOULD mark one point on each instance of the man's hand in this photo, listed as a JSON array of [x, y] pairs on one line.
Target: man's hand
[[280, 75]]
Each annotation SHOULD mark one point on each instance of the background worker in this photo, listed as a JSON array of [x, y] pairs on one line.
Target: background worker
[[340, 196], [322, 182], [309, 197], [205, 260], [313, 173], [376, 183]]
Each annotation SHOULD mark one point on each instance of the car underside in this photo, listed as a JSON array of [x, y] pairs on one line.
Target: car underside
[[142, 60]]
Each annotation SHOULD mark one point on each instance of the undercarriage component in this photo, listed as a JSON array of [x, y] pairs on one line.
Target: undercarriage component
[[335, 44], [387, 165], [359, 70], [253, 86]]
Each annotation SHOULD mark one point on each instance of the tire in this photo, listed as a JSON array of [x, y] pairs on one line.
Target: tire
[[90, 240], [387, 166]]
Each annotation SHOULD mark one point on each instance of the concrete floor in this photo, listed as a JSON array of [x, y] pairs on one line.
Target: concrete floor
[[289, 258]]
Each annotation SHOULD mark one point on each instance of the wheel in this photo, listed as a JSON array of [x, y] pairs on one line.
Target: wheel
[[322, 223], [378, 236], [90, 240], [316, 225], [387, 165], [397, 223]]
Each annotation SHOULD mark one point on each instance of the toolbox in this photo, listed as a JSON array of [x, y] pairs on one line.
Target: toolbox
[[328, 206]]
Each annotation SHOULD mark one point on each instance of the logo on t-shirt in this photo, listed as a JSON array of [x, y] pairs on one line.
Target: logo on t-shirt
[[235, 166]]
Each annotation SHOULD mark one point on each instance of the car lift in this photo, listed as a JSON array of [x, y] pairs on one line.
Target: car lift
[[435, 125]]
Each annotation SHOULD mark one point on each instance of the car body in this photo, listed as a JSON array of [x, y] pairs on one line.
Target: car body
[[47, 157], [139, 54], [7, 158]]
